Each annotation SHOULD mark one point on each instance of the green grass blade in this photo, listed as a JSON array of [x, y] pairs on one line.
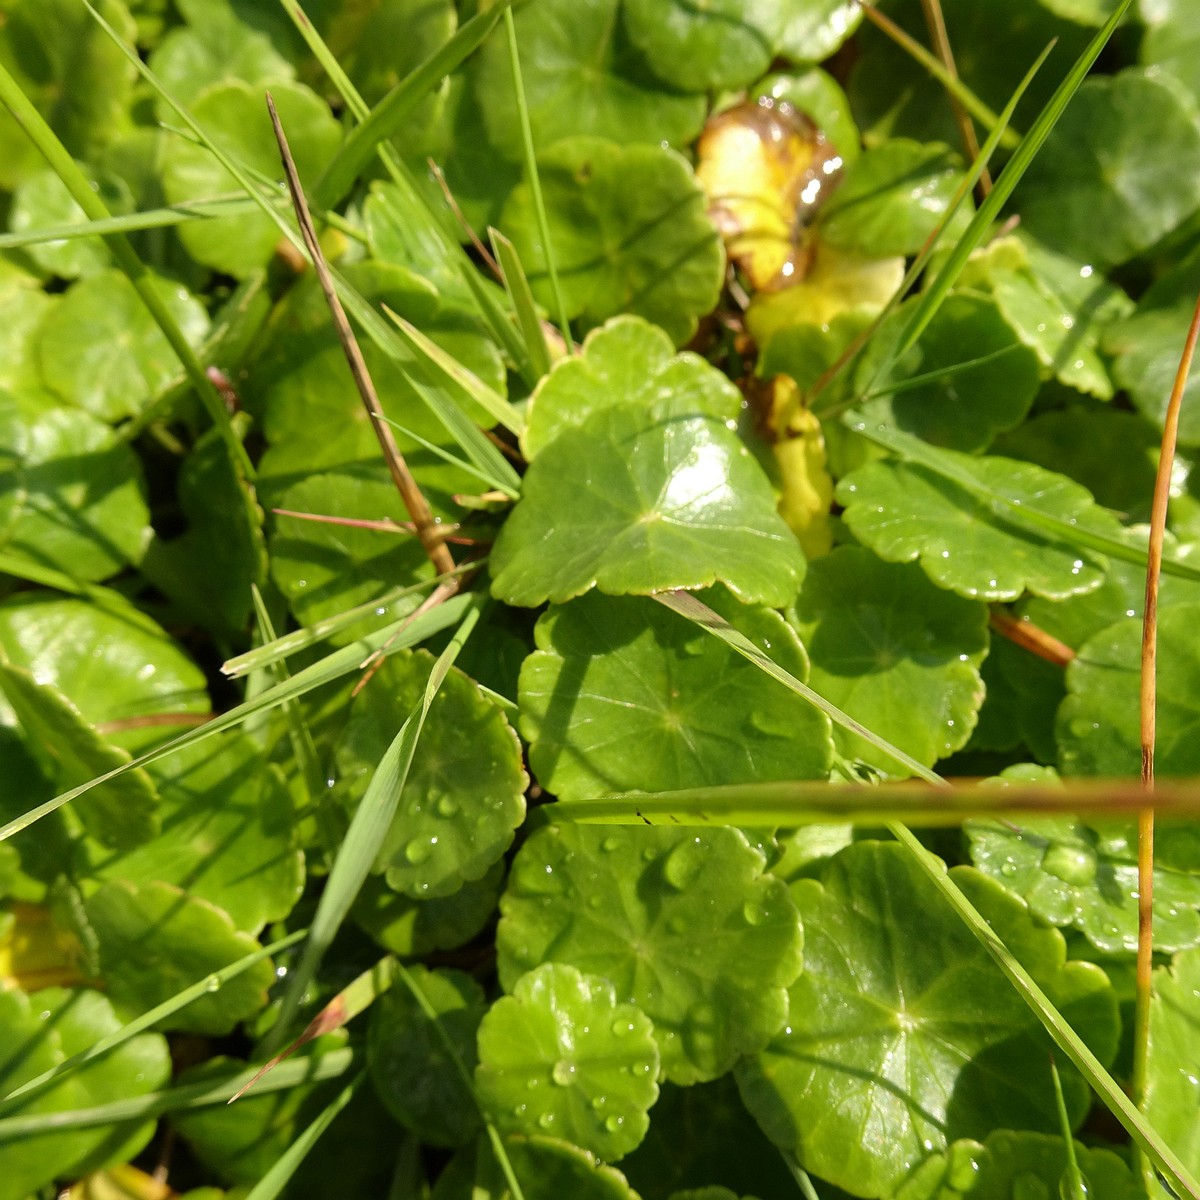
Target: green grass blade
[[65, 167], [519, 293], [1024, 516], [686, 605], [370, 822], [389, 115], [189, 1096], [328, 60], [1072, 1185], [500, 323], [388, 640], [981, 225], [286, 1165], [534, 180], [34, 1087], [435, 359], [1117, 1102]]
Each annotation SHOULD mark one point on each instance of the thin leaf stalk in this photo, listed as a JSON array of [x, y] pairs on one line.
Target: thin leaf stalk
[[535, 183], [1148, 707]]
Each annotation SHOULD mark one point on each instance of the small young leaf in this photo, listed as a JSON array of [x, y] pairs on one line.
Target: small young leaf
[[563, 1056], [627, 904]]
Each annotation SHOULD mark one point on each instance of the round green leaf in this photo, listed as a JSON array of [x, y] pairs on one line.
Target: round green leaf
[[114, 664], [902, 1033], [703, 47], [1172, 40], [562, 1055], [1098, 723], [410, 1067], [581, 77], [683, 924], [234, 116], [42, 200], [218, 49], [122, 812], [228, 834], [816, 28], [1008, 1164], [70, 493], [629, 232], [622, 695], [465, 792], [23, 306], [628, 361], [546, 1168], [1173, 1060], [1119, 171], [627, 503], [893, 651], [904, 511], [414, 928], [155, 940], [101, 349], [966, 405], [1074, 874], [41, 1032], [891, 198]]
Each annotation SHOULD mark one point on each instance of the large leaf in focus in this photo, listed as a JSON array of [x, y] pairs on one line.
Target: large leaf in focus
[[68, 66], [1173, 1058], [155, 940], [234, 116], [40, 1032], [1098, 724], [581, 76], [123, 673], [412, 1072], [621, 695], [629, 503], [628, 361], [895, 652], [628, 231], [904, 511], [102, 350], [683, 923], [121, 812], [464, 793], [891, 199], [1009, 1164], [70, 493], [902, 1033], [562, 1055], [968, 402], [228, 834], [208, 570], [1119, 171], [706, 47]]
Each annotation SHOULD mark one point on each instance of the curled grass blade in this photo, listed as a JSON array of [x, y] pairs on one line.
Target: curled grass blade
[[371, 819], [32, 1088], [687, 606], [395, 636]]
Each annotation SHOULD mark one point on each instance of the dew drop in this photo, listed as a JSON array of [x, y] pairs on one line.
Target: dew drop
[[563, 1072], [446, 806], [684, 863], [610, 844], [419, 850], [756, 912], [546, 1120], [622, 1028], [1072, 864], [1008, 868], [212, 983], [599, 1102], [1073, 1186], [613, 1123]]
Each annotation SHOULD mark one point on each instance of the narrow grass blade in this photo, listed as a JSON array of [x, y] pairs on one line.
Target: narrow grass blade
[[519, 292], [686, 605], [389, 115], [1072, 1185], [189, 1096], [534, 180], [429, 354], [1024, 516], [388, 640], [500, 323], [371, 819], [32, 1088], [1115, 1099], [792, 803], [981, 224], [65, 167], [286, 1165]]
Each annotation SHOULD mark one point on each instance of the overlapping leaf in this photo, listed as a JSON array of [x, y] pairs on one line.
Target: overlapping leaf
[[623, 696], [683, 923], [1173, 1065]]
